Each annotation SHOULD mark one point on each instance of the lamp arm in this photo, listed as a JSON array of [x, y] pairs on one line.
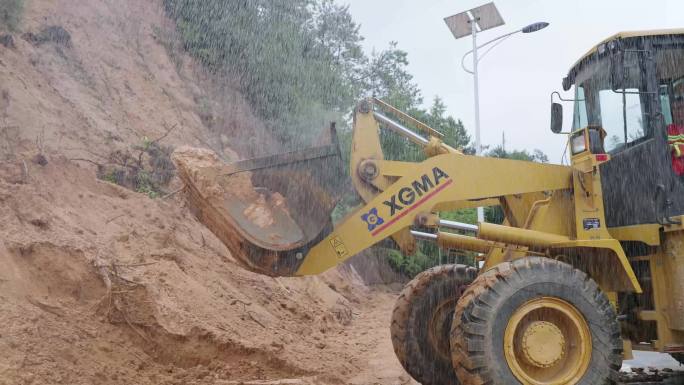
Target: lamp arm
[[498, 38], [483, 45], [499, 41], [463, 63]]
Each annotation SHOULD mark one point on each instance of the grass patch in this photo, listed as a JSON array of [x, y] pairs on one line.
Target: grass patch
[[11, 12]]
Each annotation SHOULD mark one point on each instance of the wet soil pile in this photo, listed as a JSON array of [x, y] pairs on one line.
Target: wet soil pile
[[101, 284]]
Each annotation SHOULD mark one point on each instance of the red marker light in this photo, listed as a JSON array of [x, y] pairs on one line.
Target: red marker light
[[601, 157]]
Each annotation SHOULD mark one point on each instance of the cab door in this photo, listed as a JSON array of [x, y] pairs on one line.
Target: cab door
[[640, 184]]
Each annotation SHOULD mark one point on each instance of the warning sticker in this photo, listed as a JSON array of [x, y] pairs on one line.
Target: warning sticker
[[591, 223], [339, 247]]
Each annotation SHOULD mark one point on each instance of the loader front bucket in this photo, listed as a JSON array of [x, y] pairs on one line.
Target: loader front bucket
[[268, 211]]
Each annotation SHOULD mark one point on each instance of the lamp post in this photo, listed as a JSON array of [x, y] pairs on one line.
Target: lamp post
[[470, 23]]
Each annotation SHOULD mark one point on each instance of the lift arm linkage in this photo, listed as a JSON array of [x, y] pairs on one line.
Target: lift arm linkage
[[439, 181]]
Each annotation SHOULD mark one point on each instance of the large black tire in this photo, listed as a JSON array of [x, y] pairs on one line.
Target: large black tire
[[485, 308], [421, 322]]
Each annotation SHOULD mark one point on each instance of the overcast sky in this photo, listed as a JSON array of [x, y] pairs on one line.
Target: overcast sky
[[518, 76]]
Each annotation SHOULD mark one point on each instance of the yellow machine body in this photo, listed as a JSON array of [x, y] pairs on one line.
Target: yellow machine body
[[535, 197], [546, 208]]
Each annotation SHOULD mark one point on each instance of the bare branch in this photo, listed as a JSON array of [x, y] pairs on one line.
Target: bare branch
[[169, 195], [86, 160], [25, 172], [114, 218], [168, 131]]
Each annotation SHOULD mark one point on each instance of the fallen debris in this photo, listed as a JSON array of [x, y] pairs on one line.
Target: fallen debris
[[238, 212]]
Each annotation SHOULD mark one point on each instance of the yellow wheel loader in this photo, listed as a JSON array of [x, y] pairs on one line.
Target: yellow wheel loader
[[587, 266]]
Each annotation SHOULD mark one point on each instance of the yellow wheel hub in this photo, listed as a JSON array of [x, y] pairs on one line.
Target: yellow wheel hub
[[547, 342], [543, 344]]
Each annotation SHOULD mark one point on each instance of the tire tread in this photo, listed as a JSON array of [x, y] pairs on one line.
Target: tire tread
[[470, 359], [405, 343]]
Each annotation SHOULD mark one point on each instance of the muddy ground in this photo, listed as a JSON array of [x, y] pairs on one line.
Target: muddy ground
[[104, 285]]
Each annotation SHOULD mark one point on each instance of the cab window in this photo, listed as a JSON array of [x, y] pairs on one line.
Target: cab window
[[579, 119], [619, 112], [621, 117]]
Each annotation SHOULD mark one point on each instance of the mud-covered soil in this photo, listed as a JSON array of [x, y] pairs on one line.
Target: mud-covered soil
[[104, 285], [250, 220], [201, 168]]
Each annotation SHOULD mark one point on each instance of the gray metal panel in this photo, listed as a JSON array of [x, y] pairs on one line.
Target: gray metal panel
[[459, 225], [487, 16], [400, 129], [459, 24]]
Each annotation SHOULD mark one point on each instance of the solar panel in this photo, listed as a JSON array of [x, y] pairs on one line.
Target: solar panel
[[459, 24], [485, 16]]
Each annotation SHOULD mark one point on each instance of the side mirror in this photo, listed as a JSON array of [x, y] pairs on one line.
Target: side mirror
[[556, 118]]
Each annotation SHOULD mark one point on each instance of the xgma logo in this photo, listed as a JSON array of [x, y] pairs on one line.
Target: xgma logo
[[407, 199], [407, 195], [372, 219]]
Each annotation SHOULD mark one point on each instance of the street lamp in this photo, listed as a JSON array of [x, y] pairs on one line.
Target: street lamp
[[534, 27], [471, 22]]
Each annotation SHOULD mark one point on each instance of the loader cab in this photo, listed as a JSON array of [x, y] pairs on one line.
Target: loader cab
[[629, 99]]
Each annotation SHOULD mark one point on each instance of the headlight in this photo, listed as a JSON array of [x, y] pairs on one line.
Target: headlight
[[577, 143]]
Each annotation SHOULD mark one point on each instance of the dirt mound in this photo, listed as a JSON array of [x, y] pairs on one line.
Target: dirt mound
[[106, 285]]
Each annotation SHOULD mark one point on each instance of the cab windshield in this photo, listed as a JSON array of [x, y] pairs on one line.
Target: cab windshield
[[624, 113], [620, 112]]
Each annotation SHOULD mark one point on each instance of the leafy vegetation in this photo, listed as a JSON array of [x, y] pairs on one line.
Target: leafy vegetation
[[535, 156], [296, 60], [147, 168], [11, 12], [428, 255], [300, 64]]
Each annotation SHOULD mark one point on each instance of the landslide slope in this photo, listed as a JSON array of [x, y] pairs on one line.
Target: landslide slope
[[104, 285]]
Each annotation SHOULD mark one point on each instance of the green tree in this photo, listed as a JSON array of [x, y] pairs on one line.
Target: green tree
[[386, 77], [337, 31], [455, 134], [293, 59], [536, 156]]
